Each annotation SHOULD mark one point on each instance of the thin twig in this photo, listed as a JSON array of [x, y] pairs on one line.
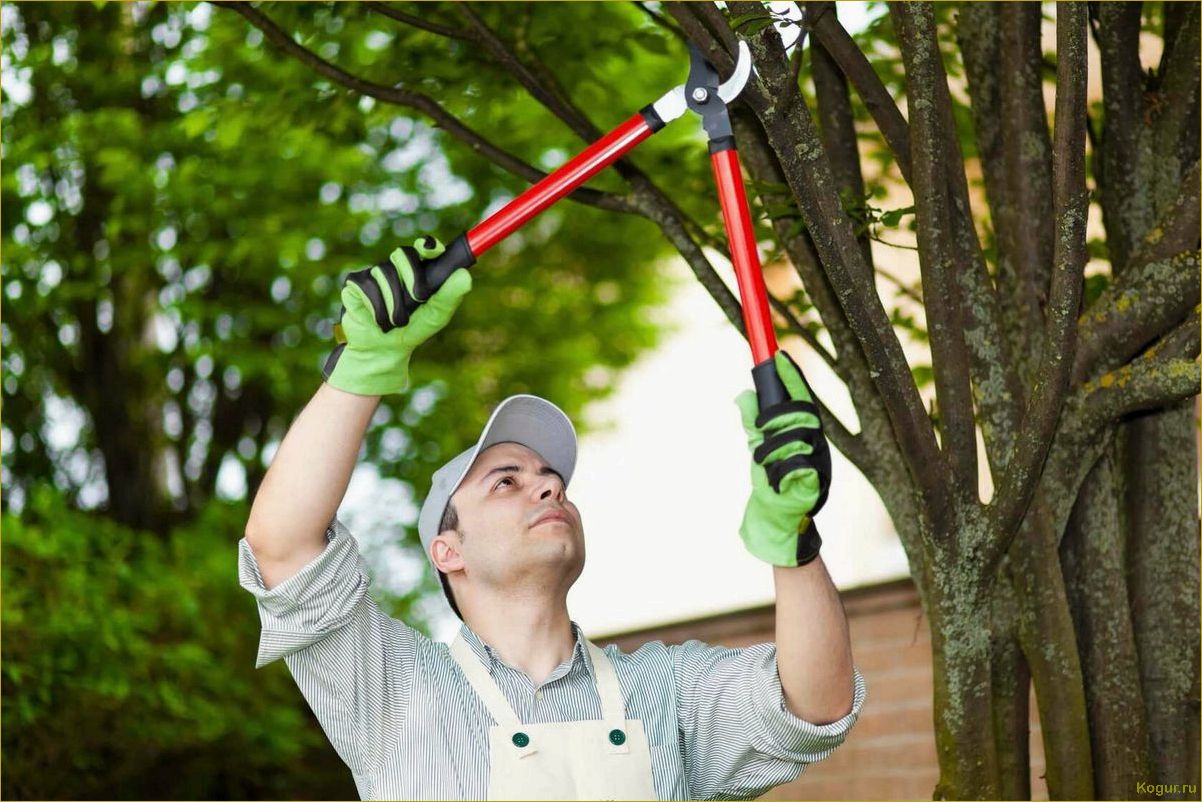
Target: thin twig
[[662, 21], [875, 238], [801, 331], [930, 128], [839, 45], [415, 100], [896, 282], [417, 22]]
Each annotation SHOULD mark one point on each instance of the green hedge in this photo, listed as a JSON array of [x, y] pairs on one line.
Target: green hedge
[[128, 667]]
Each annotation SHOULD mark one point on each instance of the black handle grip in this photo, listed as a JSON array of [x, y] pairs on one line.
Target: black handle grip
[[769, 389], [458, 254]]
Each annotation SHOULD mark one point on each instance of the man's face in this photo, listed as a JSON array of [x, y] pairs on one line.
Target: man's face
[[518, 527]]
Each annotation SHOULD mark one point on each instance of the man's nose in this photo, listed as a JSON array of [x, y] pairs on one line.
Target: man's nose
[[550, 488]]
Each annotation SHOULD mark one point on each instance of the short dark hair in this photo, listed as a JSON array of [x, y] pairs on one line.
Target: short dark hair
[[450, 520]]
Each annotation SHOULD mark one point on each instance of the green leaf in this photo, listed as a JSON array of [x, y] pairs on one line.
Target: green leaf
[[1095, 285], [923, 375], [891, 218], [751, 23], [652, 43]]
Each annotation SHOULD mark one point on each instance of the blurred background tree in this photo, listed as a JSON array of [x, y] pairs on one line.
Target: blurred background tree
[[179, 205]]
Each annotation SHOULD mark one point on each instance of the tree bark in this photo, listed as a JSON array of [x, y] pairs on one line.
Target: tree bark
[[1092, 557], [960, 614], [1011, 680], [1159, 452], [1049, 643]]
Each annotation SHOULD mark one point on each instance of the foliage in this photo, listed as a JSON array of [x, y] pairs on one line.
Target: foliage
[[128, 667], [177, 205], [176, 220]]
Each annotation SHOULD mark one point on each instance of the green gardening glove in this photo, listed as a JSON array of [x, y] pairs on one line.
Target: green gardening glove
[[790, 472], [387, 312]]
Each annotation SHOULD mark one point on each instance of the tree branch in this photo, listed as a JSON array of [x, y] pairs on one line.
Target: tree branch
[[1174, 128], [1143, 302], [1071, 201], [842, 49], [1142, 385], [1176, 229], [662, 21], [791, 135], [999, 393], [927, 90], [836, 121], [417, 22], [1123, 207], [417, 101], [1027, 154], [1162, 376], [1180, 342], [724, 38]]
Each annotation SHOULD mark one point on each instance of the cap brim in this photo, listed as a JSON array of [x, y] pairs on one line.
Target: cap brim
[[535, 423]]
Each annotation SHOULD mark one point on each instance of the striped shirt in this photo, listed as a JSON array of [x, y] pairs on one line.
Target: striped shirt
[[400, 713]]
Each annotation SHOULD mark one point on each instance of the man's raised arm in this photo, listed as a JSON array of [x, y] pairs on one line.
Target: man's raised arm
[[387, 313], [306, 482], [790, 477]]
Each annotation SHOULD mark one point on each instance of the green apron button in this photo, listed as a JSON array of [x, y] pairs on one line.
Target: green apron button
[[617, 737], [522, 739]]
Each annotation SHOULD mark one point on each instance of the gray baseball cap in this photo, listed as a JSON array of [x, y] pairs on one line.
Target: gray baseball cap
[[527, 420]]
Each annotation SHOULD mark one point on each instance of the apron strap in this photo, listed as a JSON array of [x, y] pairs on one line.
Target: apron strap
[[496, 703], [613, 708]]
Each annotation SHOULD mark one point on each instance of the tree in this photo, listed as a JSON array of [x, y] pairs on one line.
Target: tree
[[1080, 573]]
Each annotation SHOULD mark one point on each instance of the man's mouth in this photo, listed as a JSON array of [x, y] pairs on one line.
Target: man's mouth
[[553, 515]]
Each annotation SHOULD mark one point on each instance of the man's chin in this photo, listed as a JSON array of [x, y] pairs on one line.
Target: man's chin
[[555, 544]]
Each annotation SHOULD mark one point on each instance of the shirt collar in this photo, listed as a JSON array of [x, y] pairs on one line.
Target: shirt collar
[[491, 659]]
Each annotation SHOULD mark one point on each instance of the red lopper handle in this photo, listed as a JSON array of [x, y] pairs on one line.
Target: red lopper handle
[[581, 168], [465, 249], [757, 316], [741, 235]]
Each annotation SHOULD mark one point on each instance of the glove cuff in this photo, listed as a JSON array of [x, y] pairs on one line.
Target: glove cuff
[[808, 544], [365, 372]]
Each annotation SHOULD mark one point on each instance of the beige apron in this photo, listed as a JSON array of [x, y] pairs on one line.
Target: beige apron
[[606, 759]]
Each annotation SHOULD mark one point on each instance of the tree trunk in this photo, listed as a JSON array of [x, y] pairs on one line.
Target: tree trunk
[[1159, 453], [1050, 646], [1092, 556], [968, 766], [960, 610], [1011, 680]]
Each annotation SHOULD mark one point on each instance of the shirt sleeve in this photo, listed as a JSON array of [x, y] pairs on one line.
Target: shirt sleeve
[[739, 739], [353, 664]]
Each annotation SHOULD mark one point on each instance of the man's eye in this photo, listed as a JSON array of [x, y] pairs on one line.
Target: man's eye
[[503, 481]]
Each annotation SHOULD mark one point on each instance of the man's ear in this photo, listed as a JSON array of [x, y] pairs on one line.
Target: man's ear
[[445, 552]]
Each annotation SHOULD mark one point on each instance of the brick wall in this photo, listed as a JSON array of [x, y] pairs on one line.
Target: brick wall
[[890, 753]]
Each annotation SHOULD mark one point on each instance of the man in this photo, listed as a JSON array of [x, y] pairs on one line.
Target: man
[[521, 705]]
